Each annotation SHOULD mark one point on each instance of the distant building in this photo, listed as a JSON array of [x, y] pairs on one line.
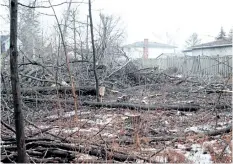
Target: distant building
[[5, 43], [3, 39], [145, 49], [221, 47]]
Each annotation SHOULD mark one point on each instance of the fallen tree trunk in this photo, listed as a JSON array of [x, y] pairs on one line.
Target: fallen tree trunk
[[180, 107], [130, 141], [91, 150], [10, 141], [84, 90], [218, 91], [219, 131]]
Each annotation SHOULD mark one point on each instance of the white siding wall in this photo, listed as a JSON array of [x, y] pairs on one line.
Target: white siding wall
[[221, 51], [135, 53], [7, 44]]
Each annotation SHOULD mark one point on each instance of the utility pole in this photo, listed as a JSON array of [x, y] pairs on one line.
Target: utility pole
[[19, 125]]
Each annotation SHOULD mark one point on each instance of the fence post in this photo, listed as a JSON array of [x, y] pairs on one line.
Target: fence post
[[184, 65], [199, 64], [218, 64], [228, 66], [224, 60]]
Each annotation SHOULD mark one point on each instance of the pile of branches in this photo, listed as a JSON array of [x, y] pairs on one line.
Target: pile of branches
[[46, 150]]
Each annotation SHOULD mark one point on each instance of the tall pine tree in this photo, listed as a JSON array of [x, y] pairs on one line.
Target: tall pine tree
[[230, 33], [221, 34]]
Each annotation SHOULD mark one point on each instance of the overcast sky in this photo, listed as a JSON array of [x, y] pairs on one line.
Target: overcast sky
[[152, 19]]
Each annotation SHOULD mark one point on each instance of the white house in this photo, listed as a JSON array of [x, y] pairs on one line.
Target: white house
[[5, 43], [4, 49], [221, 47], [148, 49]]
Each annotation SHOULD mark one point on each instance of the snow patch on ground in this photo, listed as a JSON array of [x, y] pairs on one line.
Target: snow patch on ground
[[67, 114], [198, 129], [86, 157], [76, 129], [196, 155], [108, 135], [162, 159], [39, 126]]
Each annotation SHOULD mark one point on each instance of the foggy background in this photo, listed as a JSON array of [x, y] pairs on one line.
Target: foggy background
[[164, 21]]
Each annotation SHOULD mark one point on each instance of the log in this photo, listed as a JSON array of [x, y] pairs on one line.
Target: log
[[11, 141], [130, 141], [83, 90], [8, 126], [9, 158], [12, 158], [58, 150], [91, 150], [179, 107], [40, 132], [218, 91], [99, 152], [228, 129], [46, 160], [54, 152]]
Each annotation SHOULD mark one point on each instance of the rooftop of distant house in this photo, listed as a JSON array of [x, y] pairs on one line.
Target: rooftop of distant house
[[223, 42], [150, 45]]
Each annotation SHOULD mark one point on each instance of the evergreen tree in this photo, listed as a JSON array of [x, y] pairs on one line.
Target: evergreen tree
[[222, 34], [29, 29], [230, 33]]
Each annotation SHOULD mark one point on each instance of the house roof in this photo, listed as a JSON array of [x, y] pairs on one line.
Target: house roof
[[225, 42], [150, 45]]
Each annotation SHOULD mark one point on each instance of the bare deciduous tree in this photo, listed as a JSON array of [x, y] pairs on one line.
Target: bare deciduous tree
[[67, 60], [193, 40], [19, 125], [94, 53]]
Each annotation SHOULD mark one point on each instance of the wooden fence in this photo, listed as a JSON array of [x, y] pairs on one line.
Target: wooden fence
[[193, 65]]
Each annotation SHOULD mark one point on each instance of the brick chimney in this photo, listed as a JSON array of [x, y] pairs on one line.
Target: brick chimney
[[145, 49]]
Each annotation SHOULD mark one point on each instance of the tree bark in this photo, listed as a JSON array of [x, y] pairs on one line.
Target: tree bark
[[19, 124], [74, 26], [94, 55]]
